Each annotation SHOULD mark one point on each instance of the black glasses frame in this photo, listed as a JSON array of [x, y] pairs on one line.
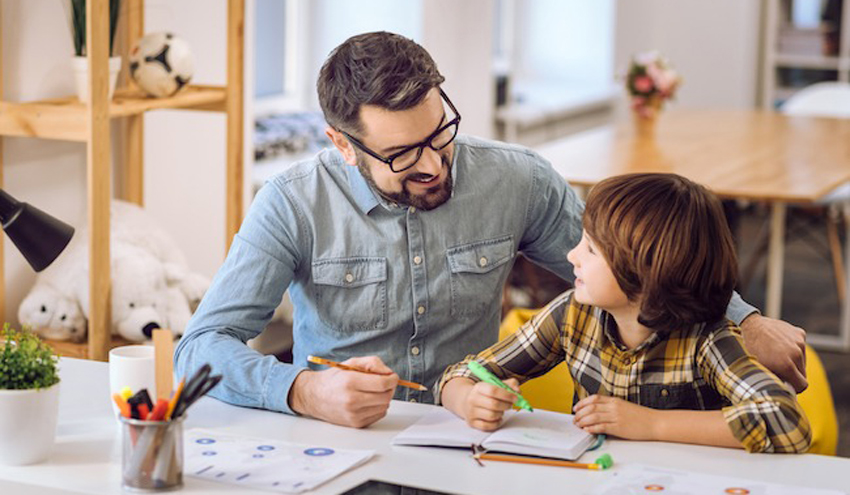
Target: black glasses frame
[[421, 145]]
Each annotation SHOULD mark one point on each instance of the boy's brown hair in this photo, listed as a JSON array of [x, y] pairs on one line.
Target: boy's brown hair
[[667, 241]]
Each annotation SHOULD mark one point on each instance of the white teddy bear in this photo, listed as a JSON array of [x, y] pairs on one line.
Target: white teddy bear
[[151, 286], [54, 314]]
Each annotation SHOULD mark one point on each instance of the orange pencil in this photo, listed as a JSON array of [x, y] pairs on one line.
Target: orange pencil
[[123, 407], [603, 462], [173, 401], [334, 364]]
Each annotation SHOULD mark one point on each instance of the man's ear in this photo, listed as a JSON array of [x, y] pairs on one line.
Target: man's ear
[[343, 145]]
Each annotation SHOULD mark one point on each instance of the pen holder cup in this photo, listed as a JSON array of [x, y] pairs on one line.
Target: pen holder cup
[[152, 454]]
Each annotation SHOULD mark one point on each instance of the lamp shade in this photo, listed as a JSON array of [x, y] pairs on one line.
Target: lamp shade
[[37, 235]]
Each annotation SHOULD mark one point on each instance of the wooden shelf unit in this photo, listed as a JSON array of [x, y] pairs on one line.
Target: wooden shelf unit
[[68, 119], [787, 47]]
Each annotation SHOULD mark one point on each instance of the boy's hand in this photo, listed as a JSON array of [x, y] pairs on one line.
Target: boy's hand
[[482, 405], [600, 414]]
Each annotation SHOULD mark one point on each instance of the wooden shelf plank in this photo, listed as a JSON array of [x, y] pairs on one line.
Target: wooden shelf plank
[[52, 120], [813, 61], [65, 118], [132, 102], [66, 348]]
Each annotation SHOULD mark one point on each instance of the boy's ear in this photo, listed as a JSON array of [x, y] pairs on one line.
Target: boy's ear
[[343, 145]]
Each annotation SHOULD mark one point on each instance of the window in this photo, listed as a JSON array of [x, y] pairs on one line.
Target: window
[[554, 66], [277, 61]]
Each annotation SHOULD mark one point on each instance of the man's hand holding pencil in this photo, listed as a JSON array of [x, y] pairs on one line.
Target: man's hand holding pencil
[[344, 396]]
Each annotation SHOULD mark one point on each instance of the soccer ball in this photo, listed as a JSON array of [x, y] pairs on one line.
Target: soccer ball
[[161, 64]]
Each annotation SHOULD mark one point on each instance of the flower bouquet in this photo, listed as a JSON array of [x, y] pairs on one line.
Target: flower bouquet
[[650, 81]]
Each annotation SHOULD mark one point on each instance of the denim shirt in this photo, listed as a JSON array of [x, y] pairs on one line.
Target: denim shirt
[[419, 289]]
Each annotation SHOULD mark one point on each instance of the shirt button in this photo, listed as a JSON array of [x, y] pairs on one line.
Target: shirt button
[[414, 350], [664, 392], [420, 310], [482, 262], [412, 209], [349, 278], [417, 260]]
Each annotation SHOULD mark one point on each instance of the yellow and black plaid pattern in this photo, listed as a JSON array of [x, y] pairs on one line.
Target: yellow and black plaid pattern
[[700, 368]]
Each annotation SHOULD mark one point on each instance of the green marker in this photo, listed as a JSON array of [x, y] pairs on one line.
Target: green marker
[[482, 373]]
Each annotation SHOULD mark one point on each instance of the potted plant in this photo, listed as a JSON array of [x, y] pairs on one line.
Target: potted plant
[[29, 397], [77, 17]]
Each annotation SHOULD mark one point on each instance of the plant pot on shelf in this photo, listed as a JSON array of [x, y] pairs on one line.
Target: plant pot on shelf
[[81, 73], [28, 427]]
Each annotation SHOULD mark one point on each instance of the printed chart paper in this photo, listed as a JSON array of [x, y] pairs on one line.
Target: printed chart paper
[[265, 464], [636, 479]]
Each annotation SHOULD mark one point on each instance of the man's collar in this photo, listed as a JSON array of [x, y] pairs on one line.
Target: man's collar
[[365, 198]]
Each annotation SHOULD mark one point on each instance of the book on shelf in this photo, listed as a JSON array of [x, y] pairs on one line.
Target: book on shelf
[[539, 433]]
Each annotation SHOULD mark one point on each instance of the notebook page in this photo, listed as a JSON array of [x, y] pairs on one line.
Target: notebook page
[[442, 428], [541, 433]]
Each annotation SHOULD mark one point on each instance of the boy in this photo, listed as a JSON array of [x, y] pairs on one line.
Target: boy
[[643, 333]]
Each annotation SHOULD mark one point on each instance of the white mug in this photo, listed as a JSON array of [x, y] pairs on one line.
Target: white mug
[[132, 366]]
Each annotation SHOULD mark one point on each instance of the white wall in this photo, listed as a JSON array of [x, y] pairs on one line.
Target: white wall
[[185, 151], [458, 35], [714, 45], [184, 162]]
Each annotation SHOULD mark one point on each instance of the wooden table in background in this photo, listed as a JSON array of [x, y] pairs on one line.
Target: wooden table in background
[[744, 154]]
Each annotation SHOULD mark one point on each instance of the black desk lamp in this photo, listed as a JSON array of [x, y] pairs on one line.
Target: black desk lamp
[[37, 235]]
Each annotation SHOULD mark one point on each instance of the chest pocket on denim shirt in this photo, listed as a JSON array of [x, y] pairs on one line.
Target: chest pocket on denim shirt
[[477, 274], [351, 293]]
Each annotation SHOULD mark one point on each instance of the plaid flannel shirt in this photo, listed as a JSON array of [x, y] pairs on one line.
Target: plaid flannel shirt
[[700, 368]]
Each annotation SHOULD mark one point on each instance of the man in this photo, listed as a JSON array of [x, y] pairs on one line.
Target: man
[[394, 247]]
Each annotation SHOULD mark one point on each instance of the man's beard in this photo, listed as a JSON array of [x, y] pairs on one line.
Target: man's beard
[[431, 199]]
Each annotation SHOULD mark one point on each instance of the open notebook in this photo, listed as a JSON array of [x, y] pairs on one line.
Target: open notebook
[[540, 433]]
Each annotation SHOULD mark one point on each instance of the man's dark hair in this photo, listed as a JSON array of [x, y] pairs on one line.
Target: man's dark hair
[[667, 242], [382, 69]]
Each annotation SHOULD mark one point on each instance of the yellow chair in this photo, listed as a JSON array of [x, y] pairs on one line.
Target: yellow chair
[[554, 390]]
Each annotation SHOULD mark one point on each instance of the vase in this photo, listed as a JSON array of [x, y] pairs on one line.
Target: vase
[[28, 426], [81, 73], [646, 117], [645, 125]]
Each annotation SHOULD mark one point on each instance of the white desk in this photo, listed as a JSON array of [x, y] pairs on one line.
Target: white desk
[[87, 456]]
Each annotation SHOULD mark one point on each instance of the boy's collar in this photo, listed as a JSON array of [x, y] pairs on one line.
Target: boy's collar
[[612, 333]]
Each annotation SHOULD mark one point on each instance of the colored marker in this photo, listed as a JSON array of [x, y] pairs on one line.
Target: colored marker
[[484, 375]]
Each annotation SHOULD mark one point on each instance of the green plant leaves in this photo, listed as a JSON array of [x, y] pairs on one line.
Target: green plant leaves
[[25, 361], [78, 22]]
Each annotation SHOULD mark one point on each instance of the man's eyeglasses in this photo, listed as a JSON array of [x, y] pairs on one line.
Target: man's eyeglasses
[[406, 158]]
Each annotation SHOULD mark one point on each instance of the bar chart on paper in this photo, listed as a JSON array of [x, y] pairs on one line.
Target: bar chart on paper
[[265, 464]]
